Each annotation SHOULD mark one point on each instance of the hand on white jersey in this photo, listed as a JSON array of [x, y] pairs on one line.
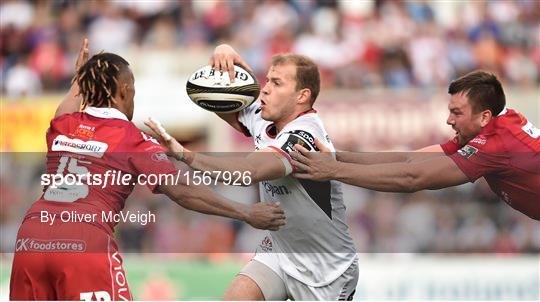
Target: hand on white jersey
[[319, 166], [175, 149], [266, 216], [224, 58]]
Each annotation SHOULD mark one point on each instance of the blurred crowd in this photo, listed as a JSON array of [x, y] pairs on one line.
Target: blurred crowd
[[464, 219], [357, 43]]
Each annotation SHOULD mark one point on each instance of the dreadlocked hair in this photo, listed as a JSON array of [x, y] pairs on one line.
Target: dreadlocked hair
[[98, 79]]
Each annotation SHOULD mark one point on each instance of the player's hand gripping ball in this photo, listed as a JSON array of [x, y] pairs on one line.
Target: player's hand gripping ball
[[212, 89]]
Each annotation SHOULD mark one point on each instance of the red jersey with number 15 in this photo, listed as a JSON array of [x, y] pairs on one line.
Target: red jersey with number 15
[[100, 144], [507, 154]]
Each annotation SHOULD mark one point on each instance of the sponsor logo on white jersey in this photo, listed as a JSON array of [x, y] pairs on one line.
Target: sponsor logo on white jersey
[[266, 244], [75, 145], [275, 190]]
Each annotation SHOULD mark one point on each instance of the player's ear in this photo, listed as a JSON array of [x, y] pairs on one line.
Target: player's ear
[[485, 117], [304, 96], [123, 90]]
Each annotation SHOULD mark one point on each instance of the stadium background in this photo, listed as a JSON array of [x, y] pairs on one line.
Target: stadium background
[[385, 68]]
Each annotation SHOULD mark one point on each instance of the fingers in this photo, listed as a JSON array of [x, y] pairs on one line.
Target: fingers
[[302, 175], [297, 156], [276, 209], [230, 69], [276, 224], [301, 149], [321, 146], [154, 129], [278, 213], [276, 219], [158, 129], [85, 45], [224, 58], [83, 54], [243, 63], [279, 223], [279, 210], [300, 167], [224, 63]]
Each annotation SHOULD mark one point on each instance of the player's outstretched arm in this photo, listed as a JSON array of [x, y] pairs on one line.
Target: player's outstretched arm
[[370, 158], [72, 101], [262, 215], [434, 173], [262, 165]]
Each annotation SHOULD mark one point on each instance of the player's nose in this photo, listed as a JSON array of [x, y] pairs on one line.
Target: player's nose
[[450, 121], [266, 89]]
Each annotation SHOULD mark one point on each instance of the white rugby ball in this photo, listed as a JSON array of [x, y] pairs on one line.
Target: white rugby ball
[[212, 89]]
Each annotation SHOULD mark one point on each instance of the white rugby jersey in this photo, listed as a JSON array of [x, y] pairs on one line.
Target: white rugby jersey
[[315, 246]]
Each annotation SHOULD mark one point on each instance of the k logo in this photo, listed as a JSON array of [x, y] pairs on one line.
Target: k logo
[[21, 245]]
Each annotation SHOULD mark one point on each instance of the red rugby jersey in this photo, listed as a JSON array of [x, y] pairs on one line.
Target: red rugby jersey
[[96, 141], [507, 154]]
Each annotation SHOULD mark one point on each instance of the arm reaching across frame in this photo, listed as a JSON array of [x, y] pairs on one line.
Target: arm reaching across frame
[[432, 173]]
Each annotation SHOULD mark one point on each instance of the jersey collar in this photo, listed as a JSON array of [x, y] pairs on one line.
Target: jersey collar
[[104, 112], [307, 111], [271, 130]]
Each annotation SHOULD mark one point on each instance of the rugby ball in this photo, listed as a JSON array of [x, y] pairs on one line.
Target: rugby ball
[[212, 89]]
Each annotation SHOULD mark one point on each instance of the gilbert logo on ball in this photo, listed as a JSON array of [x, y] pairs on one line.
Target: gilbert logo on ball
[[212, 90]]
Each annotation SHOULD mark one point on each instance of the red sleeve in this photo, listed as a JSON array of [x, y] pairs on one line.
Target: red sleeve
[[481, 159], [450, 147], [148, 157]]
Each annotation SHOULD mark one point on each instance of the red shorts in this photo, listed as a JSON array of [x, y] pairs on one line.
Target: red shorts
[[66, 261]]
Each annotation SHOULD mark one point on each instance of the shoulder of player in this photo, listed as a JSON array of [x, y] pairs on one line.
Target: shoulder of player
[[491, 136], [309, 120], [306, 128], [137, 138], [303, 125], [490, 142], [509, 119], [508, 123], [66, 116]]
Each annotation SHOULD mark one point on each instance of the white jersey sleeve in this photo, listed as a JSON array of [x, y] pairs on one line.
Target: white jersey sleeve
[[246, 118]]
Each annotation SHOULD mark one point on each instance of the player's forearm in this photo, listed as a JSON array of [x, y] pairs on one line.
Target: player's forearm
[[206, 201], [393, 177], [204, 162], [371, 158], [72, 101]]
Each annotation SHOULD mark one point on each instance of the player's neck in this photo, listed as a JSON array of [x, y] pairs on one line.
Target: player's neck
[[283, 122]]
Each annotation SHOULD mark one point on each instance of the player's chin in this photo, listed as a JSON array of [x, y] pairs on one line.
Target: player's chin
[[462, 140], [265, 114]]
